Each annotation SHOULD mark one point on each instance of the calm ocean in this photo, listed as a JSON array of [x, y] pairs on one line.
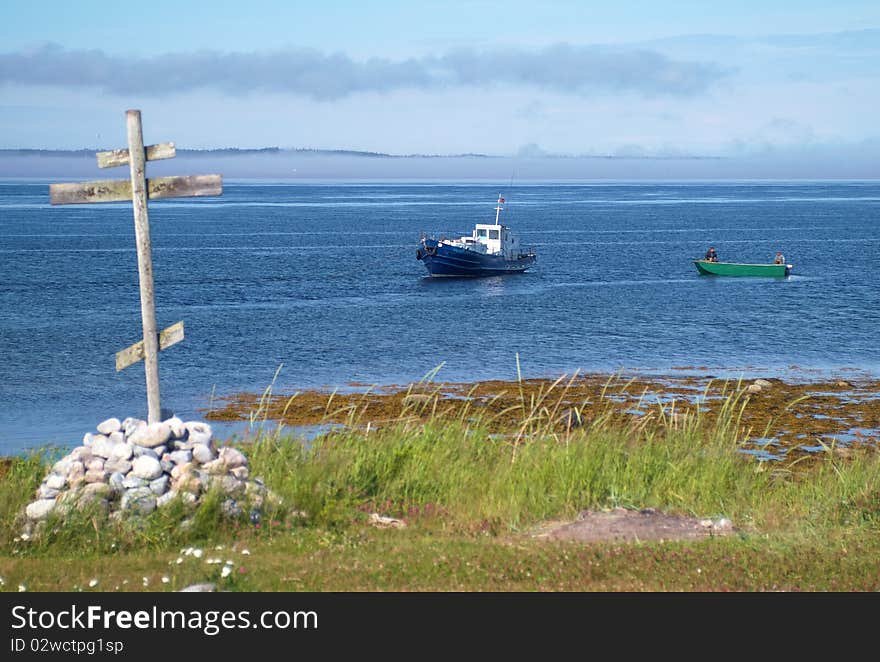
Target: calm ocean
[[322, 281]]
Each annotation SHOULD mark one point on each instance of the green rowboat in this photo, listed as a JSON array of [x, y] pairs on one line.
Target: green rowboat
[[736, 269]]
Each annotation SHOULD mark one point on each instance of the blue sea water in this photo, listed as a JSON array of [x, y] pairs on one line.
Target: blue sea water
[[321, 281]]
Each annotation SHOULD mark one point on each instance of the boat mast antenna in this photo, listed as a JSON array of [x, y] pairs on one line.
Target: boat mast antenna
[[498, 208]]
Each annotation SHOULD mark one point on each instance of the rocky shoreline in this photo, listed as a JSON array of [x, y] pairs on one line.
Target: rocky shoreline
[[779, 416]]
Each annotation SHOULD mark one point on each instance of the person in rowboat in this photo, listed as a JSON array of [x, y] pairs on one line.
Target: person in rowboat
[[780, 258], [711, 255]]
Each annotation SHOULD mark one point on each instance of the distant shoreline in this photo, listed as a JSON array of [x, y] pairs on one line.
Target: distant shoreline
[[304, 151], [309, 164]]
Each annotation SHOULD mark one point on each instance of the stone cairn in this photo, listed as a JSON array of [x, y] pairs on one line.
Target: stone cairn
[[131, 468]]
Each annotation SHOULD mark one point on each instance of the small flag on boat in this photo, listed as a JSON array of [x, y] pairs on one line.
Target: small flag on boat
[[500, 200]]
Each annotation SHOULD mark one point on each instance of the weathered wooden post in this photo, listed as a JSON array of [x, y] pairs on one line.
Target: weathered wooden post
[[139, 189]]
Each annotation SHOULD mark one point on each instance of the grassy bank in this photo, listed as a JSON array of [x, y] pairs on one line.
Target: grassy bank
[[471, 493]]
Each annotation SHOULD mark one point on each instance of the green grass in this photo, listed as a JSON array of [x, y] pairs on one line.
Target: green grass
[[470, 499]]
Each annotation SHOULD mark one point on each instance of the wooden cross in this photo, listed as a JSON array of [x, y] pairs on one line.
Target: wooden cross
[[138, 189]]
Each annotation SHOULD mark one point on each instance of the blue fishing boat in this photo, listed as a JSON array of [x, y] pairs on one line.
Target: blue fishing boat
[[490, 250]]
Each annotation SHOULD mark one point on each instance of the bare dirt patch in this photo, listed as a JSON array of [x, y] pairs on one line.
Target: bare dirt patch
[[622, 525]]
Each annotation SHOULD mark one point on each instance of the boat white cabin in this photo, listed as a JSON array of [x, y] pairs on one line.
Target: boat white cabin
[[490, 238]]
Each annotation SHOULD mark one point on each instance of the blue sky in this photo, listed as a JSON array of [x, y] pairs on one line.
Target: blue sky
[[628, 78]]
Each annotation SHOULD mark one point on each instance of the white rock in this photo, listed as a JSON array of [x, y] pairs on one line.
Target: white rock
[[154, 434], [146, 467], [180, 457], [62, 466], [181, 469], [96, 476], [89, 438], [81, 453], [190, 483], [137, 451], [232, 458], [202, 453], [240, 472], [55, 481], [118, 466], [46, 492], [102, 446], [198, 432], [95, 464], [116, 481], [753, 388], [140, 500], [131, 482], [763, 383], [76, 473], [39, 510], [129, 425], [215, 467], [384, 522], [166, 498], [110, 425], [96, 490], [117, 437], [122, 451], [160, 485], [178, 427]]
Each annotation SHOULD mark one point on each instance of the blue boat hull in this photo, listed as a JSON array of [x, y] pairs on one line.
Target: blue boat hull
[[444, 260]]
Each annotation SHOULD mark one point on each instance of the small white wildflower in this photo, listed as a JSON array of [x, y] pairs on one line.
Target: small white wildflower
[[93, 583], [229, 563], [165, 580], [146, 581], [179, 560], [226, 571], [246, 552], [197, 553], [25, 536], [2, 581], [22, 588], [219, 547], [124, 582]]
